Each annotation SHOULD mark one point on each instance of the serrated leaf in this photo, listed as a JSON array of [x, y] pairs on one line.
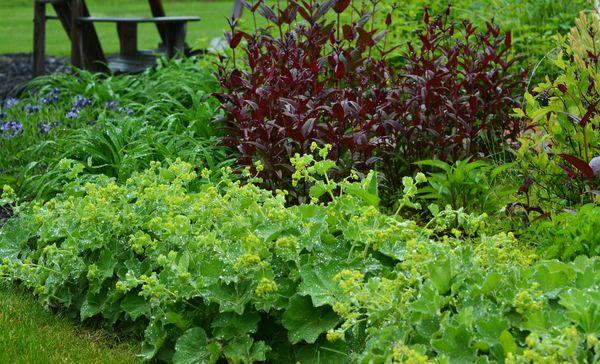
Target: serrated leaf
[[231, 297], [245, 351], [13, 234], [455, 342], [318, 283], [134, 305], [305, 322], [229, 325], [191, 348]]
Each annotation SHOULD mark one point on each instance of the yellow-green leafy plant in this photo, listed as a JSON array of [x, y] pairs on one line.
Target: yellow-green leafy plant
[[564, 136], [227, 272]]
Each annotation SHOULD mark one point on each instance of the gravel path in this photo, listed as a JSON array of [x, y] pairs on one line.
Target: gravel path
[[16, 70]]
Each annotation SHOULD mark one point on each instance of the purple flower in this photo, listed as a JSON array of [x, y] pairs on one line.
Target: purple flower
[[125, 110], [72, 114], [9, 103], [44, 127], [111, 105], [51, 97], [32, 109], [11, 129], [80, 102]]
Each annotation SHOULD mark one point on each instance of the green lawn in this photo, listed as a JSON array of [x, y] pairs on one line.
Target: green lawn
[[30, 334], [16, 27]]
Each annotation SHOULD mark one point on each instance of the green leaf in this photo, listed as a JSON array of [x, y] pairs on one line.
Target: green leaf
[[317, 190], [305, 322], [508, 342], [13, 235], [154, 338], [318, 283], [229, 325], [191, 348], [245, 350], [231, 297], [583, 308], [323, 352], [92, 305], [435, 163], [134, 305], [553, 276], [177, 319], [105, 269], [455, 342], [367, 190], [491, 327], [440, 274]]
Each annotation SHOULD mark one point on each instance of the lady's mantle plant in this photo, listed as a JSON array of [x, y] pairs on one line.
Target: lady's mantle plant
[[230, 272]]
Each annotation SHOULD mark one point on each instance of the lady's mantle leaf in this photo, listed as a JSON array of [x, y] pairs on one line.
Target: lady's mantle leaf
[[305, 322], [192, 348]]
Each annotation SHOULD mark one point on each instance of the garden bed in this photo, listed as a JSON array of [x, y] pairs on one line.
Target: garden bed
[[317, 195]]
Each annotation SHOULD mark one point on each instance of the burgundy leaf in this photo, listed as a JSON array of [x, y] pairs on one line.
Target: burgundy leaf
[[338, 111], [588, 114], [562, 88], [582, 166], [341, 5], [340, 70], [307, 127]]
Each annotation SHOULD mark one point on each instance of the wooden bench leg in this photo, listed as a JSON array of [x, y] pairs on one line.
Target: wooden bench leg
[[76, 47], [39, 38], [175, 38], [128, 38]]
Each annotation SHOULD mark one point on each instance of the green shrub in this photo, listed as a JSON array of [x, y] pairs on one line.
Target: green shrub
[[230, 272], [473, 186], [565, 125], [566, 234]]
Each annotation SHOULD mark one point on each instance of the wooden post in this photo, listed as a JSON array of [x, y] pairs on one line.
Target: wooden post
[[39, 37], [127, 38], [76, 54], [158, 11], [175, 42]]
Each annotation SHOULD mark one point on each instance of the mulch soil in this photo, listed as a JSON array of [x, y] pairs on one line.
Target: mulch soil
[[16, 70]]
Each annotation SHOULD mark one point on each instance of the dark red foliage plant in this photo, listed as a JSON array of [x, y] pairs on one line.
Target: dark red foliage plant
[[313, 78], [316, 81], [457, 89]]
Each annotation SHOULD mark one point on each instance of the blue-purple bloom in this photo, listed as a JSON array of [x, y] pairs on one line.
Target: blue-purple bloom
[[32, 109], [9, 103], [51, 97], [111, 105], [72, 114], [11, 129], [44, 127], [80, 102], [125, 110]]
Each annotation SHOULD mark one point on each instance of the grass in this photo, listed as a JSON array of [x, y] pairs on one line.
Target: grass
[[30, 334], [16, 25]]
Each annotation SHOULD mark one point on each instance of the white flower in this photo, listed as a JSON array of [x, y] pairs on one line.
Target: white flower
[[595, 165]]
